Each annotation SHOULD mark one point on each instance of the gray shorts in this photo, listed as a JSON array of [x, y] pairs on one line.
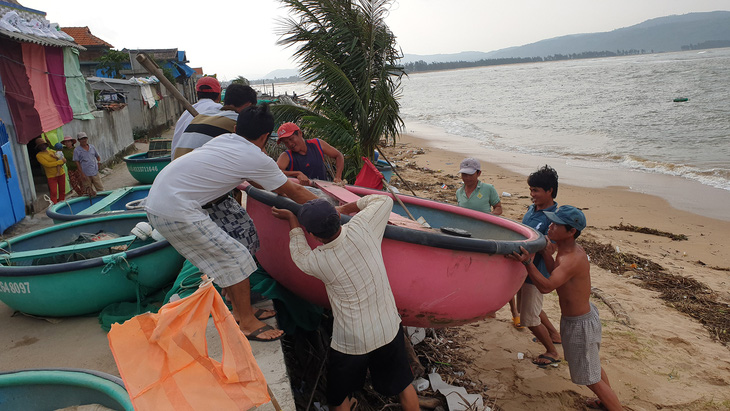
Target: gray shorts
[[581, 337], [208, 247]]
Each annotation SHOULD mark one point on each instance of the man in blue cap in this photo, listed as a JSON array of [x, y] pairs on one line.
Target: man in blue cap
[[580, 326]]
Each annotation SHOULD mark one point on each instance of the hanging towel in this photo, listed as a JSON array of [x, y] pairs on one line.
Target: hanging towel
[[57, 80], [34, 57], [76, 85], [18, 93]]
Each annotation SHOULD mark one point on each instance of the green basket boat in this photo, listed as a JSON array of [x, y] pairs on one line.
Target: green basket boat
[[56, 388], [41, 275], [145, 169], [123, 200]]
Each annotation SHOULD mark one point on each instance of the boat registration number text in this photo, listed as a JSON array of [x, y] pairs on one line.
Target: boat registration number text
[[15, 288]]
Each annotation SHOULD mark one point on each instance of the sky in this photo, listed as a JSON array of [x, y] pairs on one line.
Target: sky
[[243, 43]]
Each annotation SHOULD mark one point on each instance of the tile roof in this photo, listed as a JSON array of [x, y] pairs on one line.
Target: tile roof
[[83, 36]]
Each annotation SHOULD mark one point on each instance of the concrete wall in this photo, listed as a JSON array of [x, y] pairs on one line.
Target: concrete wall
[[110, 131], [141, 116]]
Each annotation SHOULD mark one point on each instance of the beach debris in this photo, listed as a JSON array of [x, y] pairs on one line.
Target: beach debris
[[416, 334], [421, 384], [520, 356], [701, 302], [651, 231], [506, 194], [618, 311], [457, 398], [444, 186]]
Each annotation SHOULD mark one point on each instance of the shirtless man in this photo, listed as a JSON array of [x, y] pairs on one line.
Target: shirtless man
[[580, 327]]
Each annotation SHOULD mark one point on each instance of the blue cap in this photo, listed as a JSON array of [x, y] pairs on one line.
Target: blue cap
[[568, 215], [319, 217]]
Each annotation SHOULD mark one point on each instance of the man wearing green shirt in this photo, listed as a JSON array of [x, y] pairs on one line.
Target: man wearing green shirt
[[474, 194]]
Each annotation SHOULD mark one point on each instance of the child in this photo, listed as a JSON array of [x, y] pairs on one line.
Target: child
[[367, 333]]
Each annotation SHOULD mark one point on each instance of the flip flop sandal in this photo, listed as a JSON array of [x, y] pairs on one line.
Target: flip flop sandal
[[536, 340], [261, 314], [545, 364], [254, 336]]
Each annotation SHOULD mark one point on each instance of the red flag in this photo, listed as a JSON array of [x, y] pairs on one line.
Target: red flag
[[369, 176]]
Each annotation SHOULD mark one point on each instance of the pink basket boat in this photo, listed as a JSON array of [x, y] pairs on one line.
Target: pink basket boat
[[438, 279]]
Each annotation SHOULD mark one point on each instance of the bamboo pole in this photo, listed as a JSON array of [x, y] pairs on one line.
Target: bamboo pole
[[155, 70], [396, 171]]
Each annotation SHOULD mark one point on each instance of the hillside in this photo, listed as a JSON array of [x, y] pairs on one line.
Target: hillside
[[661, 34]]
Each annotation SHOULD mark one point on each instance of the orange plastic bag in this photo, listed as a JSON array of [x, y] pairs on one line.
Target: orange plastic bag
[[163, 358]]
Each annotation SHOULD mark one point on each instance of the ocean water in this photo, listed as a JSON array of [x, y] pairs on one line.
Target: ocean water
[[602, 113]]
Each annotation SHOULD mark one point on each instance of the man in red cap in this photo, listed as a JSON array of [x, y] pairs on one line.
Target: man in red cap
[[304, 159], [208, 90]]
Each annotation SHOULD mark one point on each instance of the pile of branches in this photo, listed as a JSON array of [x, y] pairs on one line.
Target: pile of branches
[[652, 231], [685, 294]]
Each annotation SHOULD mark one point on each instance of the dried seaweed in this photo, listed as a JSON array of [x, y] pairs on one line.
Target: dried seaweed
[[685, 294], [652, 231]]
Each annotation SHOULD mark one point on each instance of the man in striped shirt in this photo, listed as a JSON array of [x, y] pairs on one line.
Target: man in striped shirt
[[367, 332]]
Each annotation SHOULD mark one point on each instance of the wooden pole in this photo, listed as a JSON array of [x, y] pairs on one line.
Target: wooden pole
[[396, 171], [385, 183], [155, 70]]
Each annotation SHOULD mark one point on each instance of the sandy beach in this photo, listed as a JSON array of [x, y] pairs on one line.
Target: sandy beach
[[663, 359]]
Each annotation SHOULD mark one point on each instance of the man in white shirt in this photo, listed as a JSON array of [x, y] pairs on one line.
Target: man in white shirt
[[181, 190], [367, 332], [208, 90]]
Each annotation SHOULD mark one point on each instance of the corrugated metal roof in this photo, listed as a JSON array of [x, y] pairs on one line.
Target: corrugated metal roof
[[44, 41]]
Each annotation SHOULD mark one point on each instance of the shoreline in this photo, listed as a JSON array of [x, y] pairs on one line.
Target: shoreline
[[679, 192]]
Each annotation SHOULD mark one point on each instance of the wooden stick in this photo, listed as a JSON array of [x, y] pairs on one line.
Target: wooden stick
[[385, 183], [273, 398], [155, 70], [395, 170]]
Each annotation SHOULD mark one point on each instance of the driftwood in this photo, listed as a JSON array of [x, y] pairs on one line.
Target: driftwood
[[613, 304], [652, 231]]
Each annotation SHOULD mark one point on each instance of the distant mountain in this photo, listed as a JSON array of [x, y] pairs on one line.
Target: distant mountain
[[662, 34], [281, 73]]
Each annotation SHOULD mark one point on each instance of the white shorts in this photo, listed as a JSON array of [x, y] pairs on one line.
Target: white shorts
[[209, 248], [530, 305]]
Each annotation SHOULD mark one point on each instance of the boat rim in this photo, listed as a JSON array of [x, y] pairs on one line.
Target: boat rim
[[54, 215], [132, 158], [110, 385], [35, 270], [533, 243]]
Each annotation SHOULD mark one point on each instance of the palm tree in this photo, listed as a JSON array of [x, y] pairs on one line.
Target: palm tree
[[350, 58], [241, 80]]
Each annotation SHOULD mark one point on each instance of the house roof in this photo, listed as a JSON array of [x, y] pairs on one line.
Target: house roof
[[83, 36], [28, 25], [198, 70]]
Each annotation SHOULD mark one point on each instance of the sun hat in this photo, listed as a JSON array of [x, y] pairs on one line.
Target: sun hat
[[286, 130], [81, 135], [69, 138], [470, 166], [208, 84], [568, 215], [319, 217]]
